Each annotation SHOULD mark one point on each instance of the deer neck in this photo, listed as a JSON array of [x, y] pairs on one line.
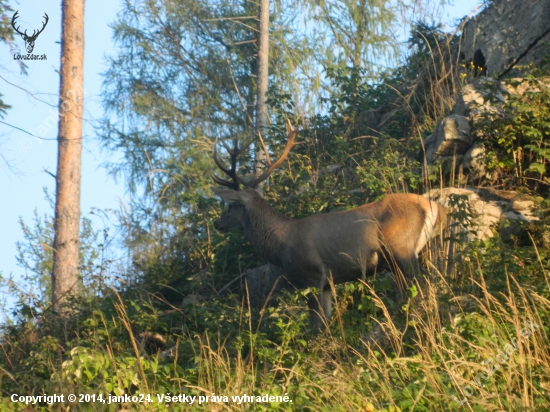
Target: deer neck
[[267, 229]]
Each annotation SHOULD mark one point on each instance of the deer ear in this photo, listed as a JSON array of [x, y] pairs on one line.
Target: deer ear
[[259, 191], [230, 195]]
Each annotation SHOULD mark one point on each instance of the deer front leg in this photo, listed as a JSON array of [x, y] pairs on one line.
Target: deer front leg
[[315, 317], [320, 307]]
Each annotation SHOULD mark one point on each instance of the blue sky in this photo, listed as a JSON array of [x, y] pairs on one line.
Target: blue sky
[[34, 104]]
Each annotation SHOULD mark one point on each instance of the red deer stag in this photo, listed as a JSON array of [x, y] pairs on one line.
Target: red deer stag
[[346, 245]]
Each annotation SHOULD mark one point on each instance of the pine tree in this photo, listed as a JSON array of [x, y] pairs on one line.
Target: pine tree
[[65, 273]]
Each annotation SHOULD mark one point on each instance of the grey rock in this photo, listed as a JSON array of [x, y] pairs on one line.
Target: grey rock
[[451, 137], [492, 211], [263, 283], [508, 33], [475, 161]]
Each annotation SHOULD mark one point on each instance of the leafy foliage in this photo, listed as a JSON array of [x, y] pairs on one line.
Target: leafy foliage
[[35, 256], [518, 137]]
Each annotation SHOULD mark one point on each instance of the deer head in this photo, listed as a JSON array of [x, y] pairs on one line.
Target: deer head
[[238, 199], [29, 40]]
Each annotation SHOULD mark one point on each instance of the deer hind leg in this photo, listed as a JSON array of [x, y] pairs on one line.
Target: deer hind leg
[[405, 270]]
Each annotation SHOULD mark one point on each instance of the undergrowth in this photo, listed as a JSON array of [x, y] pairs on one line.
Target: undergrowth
[[485, 350]]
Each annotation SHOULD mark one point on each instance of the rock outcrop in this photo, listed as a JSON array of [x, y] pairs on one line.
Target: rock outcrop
[[262, 283], [506, 34], [452, 137], [489, 212], [458, 139]]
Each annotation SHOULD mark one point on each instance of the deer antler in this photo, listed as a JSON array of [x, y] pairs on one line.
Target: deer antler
[[235, 181], [232, 173], [252, 183]]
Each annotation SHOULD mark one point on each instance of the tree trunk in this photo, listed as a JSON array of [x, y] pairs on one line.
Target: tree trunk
[[65, 275], [263, 73]]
